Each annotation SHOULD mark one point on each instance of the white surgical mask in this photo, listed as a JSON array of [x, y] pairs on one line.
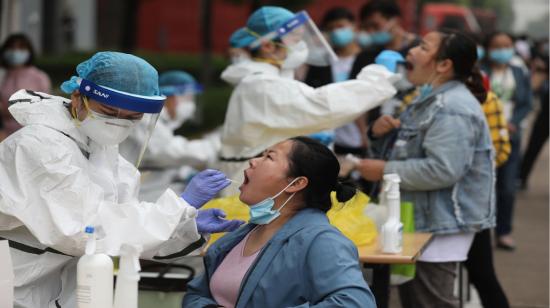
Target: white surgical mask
[[16, 56], [296, 55], [185, 110], [106, 130]]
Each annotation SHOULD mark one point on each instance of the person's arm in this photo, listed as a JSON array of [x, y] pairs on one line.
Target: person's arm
[[522, 98], [449, 147], [166, 150], [333, 274], [290, 108], [43, 178], [496, 120], [198, 293]]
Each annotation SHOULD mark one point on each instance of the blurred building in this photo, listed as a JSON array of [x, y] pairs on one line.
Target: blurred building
[[52, 25]]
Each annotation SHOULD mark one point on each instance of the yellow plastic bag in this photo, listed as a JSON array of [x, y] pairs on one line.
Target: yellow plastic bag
[[234, 209], [350, 219]]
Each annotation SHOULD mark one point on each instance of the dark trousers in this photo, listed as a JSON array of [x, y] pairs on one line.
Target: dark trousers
[[506, 188], [481, 271], [538, 138], [432, 286]]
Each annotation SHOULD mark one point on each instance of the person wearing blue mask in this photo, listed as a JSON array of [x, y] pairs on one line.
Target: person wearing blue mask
[[62, 172], [338, 24], [441, 148], [170, 159], [513, 87], [267, 107], [288, 255]]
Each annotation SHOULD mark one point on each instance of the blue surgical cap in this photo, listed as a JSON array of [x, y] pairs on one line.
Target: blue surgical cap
[[241, 38], [177, 83], [268, 19], [119, 71]]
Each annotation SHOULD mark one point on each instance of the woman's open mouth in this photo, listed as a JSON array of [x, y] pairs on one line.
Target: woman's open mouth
[[408, 66], [245, 181]]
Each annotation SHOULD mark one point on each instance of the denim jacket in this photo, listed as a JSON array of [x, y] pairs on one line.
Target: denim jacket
[[443, 154], [307, 263]]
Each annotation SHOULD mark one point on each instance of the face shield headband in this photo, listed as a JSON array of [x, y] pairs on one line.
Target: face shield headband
[[120, 99]]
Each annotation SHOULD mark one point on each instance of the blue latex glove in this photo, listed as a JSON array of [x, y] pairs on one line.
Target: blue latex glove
[[204, 186], [389, 59], [213, 221], [325, 138]]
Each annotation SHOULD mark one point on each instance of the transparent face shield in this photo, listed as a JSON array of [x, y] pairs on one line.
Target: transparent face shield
[[301, 33], [123, 106]]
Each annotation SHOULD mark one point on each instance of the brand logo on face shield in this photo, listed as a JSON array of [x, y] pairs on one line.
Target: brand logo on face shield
[[98, 93]]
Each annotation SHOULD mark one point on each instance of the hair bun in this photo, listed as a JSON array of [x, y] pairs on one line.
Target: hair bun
[[345, 191]]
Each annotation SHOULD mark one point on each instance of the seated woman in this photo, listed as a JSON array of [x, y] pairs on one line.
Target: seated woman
[[288, 255]]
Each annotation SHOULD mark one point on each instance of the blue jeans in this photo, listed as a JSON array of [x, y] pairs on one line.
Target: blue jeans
[[506, 187]]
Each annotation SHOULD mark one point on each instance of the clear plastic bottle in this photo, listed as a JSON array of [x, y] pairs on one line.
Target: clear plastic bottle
[[392, 230], [94, 276], [126, 294]]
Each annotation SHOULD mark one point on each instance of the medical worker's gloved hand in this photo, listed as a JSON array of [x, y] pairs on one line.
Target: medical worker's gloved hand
[[204, 186], [326, 138], [389, 59], [213, 221]]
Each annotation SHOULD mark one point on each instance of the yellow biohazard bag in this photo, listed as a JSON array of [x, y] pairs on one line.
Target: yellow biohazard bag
[[348, 217]]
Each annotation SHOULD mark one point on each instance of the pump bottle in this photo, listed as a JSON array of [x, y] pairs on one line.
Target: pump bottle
[[94, 276], [392, 230], [126, 294]]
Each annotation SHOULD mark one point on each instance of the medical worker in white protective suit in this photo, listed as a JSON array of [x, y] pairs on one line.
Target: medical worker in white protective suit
[[170, 159], [62, 172], [266, 107]]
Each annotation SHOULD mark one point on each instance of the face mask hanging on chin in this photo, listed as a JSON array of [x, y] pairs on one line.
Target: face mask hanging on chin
[[262, 213]]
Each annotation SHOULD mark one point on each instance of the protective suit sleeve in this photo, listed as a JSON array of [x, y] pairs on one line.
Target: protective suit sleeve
[[167, 150], [47, 188], [337, 283], [266, 109]]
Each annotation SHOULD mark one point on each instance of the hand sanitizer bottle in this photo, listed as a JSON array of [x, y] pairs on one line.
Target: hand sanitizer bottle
[[126, 294], [392, 230], [94, 276]]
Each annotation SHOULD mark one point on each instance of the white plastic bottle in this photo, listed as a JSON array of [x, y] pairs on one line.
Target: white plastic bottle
[[126, 293], [392, 230], [94, 276]]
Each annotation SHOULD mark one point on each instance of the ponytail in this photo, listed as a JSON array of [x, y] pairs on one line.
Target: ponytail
[[474, 82]]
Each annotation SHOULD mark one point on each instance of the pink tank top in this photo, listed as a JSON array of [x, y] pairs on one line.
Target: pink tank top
[[226, 280]]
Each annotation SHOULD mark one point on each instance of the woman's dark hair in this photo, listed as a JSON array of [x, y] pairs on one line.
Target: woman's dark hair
[[462, 50], [313, 160], [386, 8], [10, 42], [336, 13], [491, 36]]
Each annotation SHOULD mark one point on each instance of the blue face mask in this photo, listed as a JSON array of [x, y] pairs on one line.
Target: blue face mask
[[480, 52], [342, 37], [16, 56], [364, 39], [425, 90], [262, 213], [381, 37], [501, 55]]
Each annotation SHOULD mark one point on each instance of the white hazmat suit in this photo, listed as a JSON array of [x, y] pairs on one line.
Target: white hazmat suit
[[54, 183], [266, 108]]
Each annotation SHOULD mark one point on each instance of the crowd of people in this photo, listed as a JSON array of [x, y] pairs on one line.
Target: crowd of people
[[445, 111]]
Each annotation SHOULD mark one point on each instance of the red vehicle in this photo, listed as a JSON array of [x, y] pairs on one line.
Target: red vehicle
[[435, 16]]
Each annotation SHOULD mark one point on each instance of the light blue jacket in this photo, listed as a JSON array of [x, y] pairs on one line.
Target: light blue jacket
[[443, 154], [307, 263]]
